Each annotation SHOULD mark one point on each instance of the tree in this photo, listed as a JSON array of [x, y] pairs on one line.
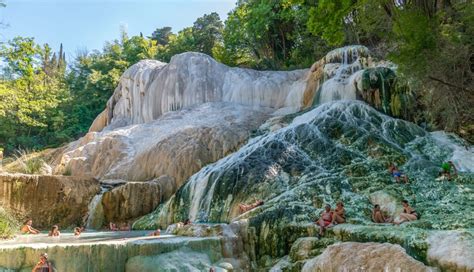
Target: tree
[[29, 114], [270, 35], [162, 35], [207, 32]]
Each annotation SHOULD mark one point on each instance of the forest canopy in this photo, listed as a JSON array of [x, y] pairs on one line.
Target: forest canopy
[[48, 100]]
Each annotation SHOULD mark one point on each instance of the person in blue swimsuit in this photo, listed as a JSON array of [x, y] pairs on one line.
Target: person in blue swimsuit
[[397, 174]]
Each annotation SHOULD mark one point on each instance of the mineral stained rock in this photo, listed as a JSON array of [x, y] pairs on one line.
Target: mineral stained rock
[[48, 200]]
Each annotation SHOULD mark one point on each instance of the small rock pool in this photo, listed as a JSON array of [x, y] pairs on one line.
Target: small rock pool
[[87, 237]]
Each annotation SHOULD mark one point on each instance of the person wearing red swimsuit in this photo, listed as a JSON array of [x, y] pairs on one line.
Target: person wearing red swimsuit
[[326, 220]]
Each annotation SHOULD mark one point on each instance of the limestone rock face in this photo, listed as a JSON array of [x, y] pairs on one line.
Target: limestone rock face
[[130, 201], [364, 257], [47, 200], [452, 251], [150, 88], [176, 144]]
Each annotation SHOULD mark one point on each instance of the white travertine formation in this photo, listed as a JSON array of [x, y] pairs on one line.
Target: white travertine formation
[[451, 250], [151, 88], [177, 144], [353, 256]]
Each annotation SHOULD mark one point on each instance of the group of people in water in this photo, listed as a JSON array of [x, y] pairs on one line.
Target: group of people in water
[[27, 228]]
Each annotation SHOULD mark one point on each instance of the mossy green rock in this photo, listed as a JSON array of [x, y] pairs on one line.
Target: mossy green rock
[[338, 151], [307, 247]]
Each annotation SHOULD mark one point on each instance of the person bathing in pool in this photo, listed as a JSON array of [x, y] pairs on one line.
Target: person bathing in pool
[[28, 229], [54, 232], [397, 174]]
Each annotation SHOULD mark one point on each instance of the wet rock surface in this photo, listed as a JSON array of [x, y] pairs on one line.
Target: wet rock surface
[[48, 200], [337, 151]]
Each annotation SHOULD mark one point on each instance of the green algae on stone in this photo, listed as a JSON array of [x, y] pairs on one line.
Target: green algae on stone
[[336, 152]]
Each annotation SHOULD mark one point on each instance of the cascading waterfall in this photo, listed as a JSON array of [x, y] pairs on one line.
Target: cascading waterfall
[[343, 66], [95, 213]]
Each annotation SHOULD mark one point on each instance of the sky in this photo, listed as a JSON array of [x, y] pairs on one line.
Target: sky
[[86, 24]]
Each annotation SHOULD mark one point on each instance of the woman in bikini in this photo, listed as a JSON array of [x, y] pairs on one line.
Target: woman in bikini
[[326, 220], [339, 213], [408, 214]]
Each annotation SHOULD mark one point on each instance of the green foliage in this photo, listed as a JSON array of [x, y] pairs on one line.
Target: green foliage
[[207, 32], [270, 35], [204, 36], [45, 104], [27, 162], [327, 19], [8, 225], [30, 92], [432, 45], [162, 35]]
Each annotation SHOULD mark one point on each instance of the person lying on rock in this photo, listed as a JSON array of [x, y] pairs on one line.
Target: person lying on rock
[[27, 228], [408, 214], [339, 213], [43, 265], [54, 232], [243, 208], [397, 174], [378, 217], [186, 222], [446, 169], [326, 220]]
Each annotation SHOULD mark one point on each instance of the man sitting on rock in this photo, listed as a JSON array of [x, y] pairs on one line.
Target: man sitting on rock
[[446, 169], [378, 217], [28, 229], [243, 208]]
